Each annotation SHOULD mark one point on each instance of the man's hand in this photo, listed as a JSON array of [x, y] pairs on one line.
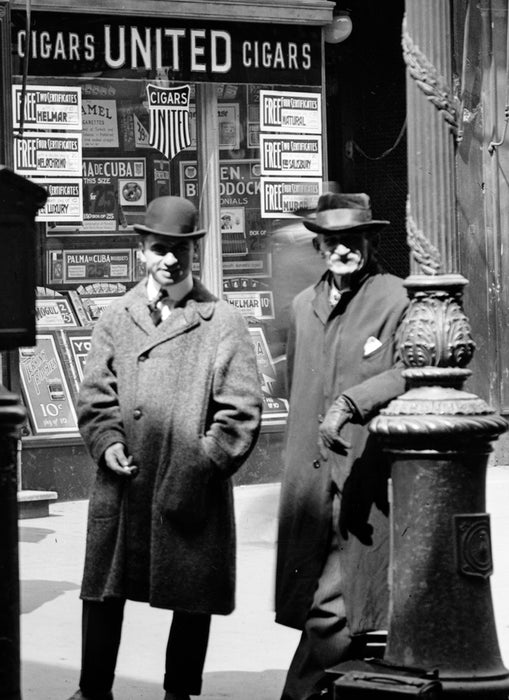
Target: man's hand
[[329, 432], [116, 459]]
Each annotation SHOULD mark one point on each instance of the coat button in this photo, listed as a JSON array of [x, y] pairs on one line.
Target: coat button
[[142, 358], [137, 413], [316, 464]]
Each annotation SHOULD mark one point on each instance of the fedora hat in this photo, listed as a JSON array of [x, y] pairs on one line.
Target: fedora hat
[[336, 212], [171, 216]]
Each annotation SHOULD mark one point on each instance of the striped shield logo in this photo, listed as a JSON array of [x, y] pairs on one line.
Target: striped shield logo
[[169, 119]]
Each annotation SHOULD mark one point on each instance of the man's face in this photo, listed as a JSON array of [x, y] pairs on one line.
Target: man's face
[[344, 253], [169, 260]]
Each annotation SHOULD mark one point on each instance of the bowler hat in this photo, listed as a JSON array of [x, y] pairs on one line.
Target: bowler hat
[[171, 216], [337, 212]]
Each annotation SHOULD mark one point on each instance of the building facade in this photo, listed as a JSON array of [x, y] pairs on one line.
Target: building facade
[[246, 110]]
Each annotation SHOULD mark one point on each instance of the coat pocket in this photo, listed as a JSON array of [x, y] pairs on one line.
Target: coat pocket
[[377, 361], [183, 495], [107, 494]]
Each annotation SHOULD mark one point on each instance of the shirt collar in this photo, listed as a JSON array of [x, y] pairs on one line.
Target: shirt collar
[[176, 292]]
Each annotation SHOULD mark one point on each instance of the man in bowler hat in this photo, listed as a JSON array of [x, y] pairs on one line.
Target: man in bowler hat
[[169, 409], [331, 579]]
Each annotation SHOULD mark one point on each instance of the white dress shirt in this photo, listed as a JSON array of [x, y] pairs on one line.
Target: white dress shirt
[[176, 292]]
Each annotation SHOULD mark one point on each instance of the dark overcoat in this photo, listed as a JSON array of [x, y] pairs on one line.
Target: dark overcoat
[[184, 397], [327, 356]]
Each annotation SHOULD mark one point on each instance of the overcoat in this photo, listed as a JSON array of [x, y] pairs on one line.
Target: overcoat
[[328, 355], [184, 397]]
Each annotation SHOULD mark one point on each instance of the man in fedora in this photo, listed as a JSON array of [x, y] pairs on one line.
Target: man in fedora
[[169, 409], [331, 579]]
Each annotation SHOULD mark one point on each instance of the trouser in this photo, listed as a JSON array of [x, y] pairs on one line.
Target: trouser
[[101, 632], [326, 638]]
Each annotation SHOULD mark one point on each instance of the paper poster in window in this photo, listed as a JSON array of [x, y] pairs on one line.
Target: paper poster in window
[[100, 126], [45, 388]]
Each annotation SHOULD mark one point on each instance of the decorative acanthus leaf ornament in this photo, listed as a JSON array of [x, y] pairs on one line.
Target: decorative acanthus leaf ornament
[[429, 80], [435, 332]]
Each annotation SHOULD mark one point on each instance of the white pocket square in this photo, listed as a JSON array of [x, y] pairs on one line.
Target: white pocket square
[[371, 345]]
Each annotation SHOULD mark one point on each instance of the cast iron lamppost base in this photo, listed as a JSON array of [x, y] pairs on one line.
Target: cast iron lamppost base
[[438, 438]]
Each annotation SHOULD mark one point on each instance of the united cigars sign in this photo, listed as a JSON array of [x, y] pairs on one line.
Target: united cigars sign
[[73, 43]]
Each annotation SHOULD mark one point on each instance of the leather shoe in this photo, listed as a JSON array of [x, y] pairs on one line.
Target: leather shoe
[[78, 695], [170, 695]]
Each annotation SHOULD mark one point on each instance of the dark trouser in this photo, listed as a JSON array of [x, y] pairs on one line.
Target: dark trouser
[[101, 632], [326, 638]]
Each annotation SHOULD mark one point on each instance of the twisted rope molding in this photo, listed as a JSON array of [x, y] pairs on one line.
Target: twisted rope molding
[[423, 251], [459, 426], [429, 80]]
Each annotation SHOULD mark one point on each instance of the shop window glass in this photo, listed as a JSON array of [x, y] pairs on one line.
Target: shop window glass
[[104, 146]]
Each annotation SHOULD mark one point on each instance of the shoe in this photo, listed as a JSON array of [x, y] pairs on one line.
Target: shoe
[[78, 695], [170, 695]]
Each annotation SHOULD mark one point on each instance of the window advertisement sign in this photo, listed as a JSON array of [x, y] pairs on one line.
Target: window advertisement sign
[[78, 341], [291, 155], [45, 388], [65, 200], [245, 244], [115, 193], [88, 266], [174, 49], [54, 312], [275, 409], [100, 125], [47, 107], [290, 112], [50, 154], [282, 197], [264, 359], [260, 304]]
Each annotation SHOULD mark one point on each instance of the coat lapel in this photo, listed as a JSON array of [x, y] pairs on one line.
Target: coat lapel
[[320, 302], [198, 304]]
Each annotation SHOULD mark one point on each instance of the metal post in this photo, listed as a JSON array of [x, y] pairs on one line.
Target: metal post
[[437, 435], [19, 201], [12, 415]]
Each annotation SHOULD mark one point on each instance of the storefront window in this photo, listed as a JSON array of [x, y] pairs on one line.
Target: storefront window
[[111, 116]]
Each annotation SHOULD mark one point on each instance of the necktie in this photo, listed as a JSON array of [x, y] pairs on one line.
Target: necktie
[[155, 311]]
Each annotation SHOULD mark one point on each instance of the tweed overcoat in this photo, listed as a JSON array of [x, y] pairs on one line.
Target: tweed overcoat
[[184, 397], [326, 358]]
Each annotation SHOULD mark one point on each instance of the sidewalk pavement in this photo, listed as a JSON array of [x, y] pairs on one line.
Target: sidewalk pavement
[[248, 653]]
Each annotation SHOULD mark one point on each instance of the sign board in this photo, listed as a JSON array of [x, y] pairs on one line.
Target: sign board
[[291, 155], [264, 359], [290, 112], [78, 341], [47, 107], [65, 200], [88, 266], [100, 126], [175, 49], [253, 303], [54, 312], [45, 388], [281, 197], [51, 154], [115, 189]]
